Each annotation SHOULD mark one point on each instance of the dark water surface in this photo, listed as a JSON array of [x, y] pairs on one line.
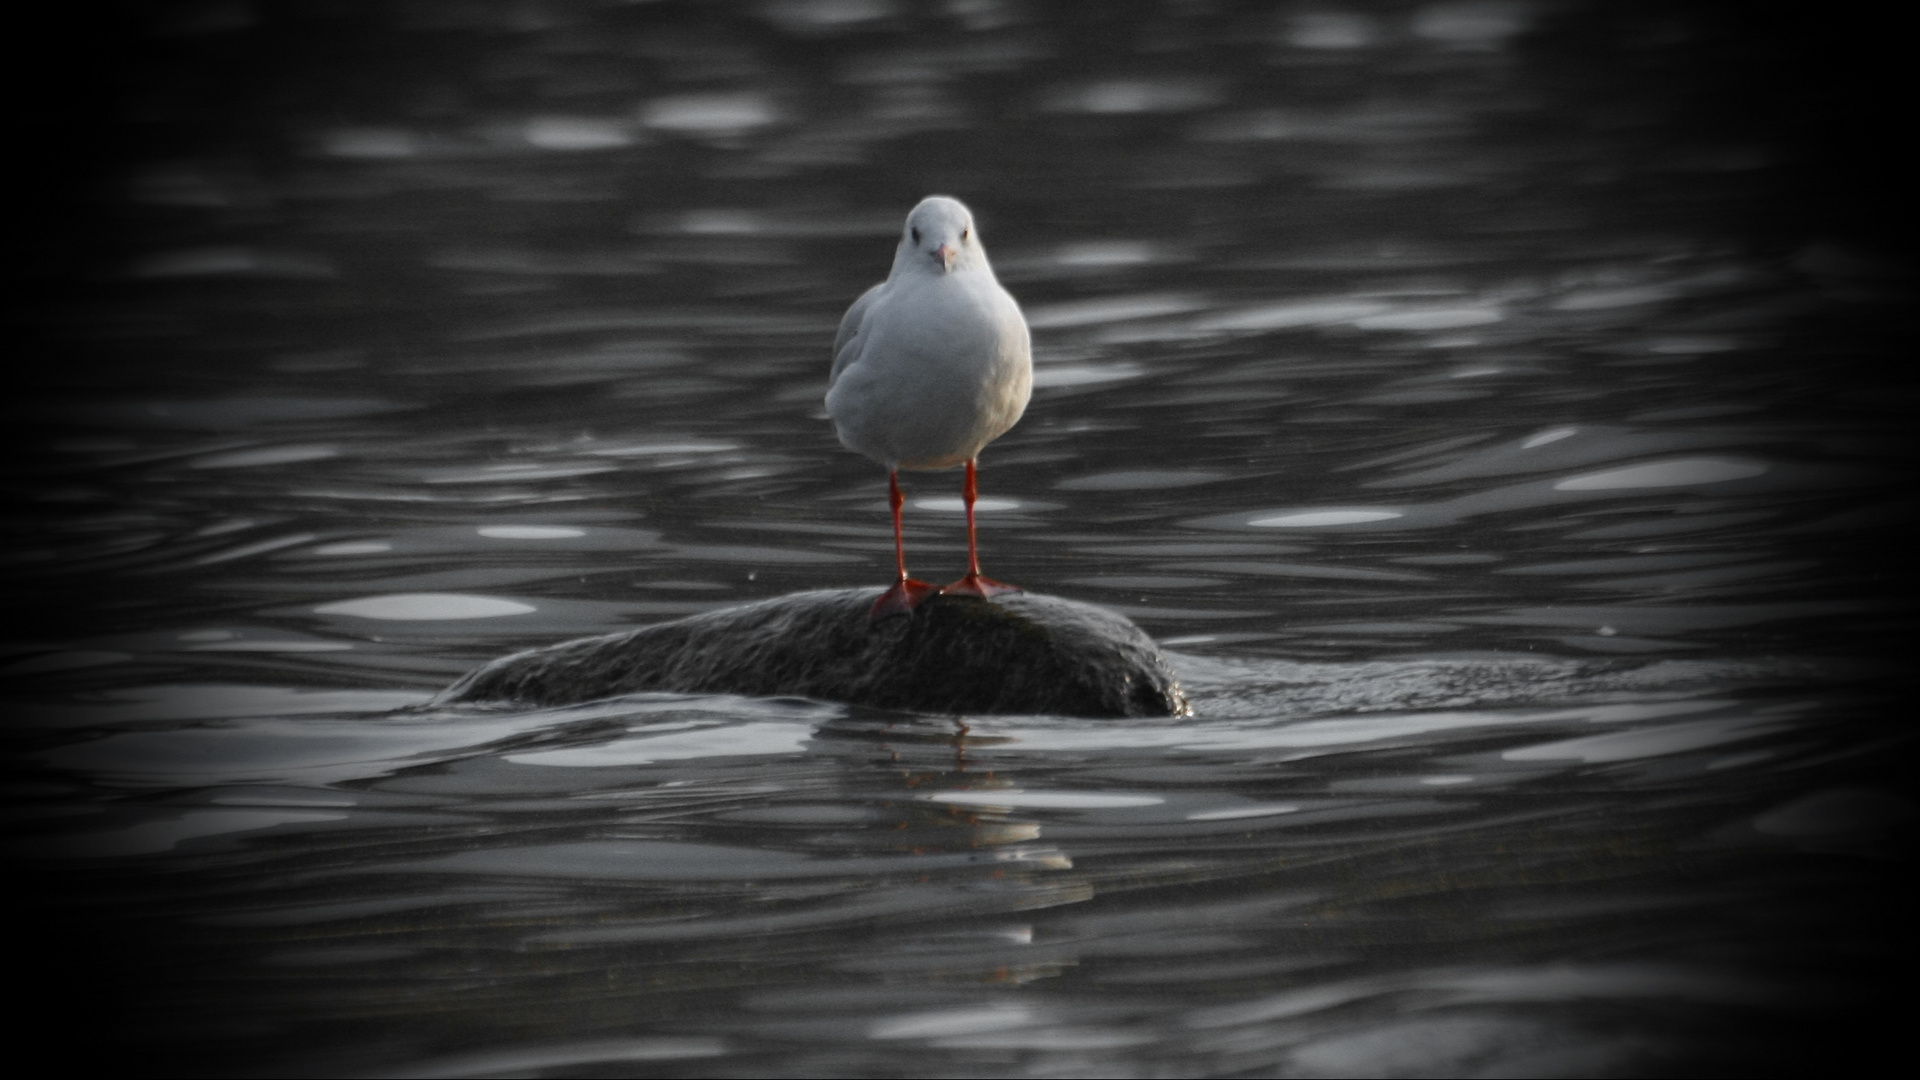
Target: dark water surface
[[1485, 404]]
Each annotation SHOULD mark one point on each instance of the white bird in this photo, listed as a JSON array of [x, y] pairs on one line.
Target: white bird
[[930, 366]]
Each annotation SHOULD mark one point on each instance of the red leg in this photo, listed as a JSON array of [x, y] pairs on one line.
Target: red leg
[[906, 592], [974, 584]]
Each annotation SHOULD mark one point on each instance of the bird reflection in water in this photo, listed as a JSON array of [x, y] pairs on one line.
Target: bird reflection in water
[[927, 814]]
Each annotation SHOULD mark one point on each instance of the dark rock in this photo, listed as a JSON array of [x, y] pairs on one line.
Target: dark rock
[[1017, 653]]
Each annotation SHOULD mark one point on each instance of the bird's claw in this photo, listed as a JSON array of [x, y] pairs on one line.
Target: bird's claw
[[976, 585], [906, 594]]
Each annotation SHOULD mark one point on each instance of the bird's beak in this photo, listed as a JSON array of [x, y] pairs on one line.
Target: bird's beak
[[945, 254]]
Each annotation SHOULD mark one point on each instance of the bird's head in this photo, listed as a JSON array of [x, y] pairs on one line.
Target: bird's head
[[939, 238]]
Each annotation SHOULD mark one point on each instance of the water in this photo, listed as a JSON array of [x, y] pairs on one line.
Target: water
[[1457, 391]]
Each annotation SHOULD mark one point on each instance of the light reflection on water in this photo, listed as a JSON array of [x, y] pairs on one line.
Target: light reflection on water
[[1479, 472]]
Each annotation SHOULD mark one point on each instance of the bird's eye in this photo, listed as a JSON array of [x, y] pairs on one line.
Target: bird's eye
[[964, 233], [915, 233]]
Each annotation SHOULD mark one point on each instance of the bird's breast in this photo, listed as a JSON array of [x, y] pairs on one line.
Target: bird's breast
[[943, 368], [952, 322]]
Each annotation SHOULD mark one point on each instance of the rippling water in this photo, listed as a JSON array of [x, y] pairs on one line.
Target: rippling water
[[1508, 473]]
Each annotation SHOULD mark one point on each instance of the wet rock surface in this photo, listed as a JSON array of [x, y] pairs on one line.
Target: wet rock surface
[[1019, 653]]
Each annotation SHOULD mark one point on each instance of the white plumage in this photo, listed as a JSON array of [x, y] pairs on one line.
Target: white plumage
[[929, 367], [933, 363]]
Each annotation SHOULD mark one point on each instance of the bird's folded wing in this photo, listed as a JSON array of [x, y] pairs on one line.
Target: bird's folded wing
[[846, 343]]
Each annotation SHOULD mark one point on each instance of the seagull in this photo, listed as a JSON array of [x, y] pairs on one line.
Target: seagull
[[929, 367]]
